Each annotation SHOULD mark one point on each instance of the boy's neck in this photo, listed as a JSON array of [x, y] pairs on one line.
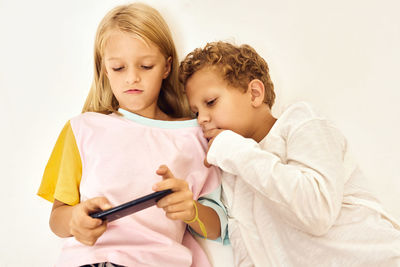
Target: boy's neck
[[264, 123]]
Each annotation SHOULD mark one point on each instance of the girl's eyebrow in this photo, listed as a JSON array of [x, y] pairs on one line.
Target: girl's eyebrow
[[113, 58], [140, 57]]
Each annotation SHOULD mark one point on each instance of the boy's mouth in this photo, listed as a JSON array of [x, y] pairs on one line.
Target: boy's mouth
[[206, 129]]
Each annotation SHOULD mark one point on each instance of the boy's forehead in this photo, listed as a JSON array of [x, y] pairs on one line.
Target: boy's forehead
[[209, 74], [203, 83]]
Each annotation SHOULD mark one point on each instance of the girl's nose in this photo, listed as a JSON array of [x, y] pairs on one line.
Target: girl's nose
[[132, 77]]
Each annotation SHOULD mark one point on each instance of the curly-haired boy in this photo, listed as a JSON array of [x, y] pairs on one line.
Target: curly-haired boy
[[293, 192]]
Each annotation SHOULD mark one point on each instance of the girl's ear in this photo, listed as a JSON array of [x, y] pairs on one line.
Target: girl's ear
[[257, 91], [167, 67]]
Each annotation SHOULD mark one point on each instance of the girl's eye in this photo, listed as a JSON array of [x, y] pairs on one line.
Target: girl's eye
[[211, 102], [147, 67], [117, 69], [196, 114]]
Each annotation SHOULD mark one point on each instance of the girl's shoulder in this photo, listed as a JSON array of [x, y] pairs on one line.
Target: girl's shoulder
[[92, 120], [87, 116]]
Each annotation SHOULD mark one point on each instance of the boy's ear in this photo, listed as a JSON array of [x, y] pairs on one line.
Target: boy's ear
[[257, 91], [167, 67]]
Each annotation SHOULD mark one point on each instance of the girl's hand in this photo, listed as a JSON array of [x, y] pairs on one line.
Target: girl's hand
[[179, 204], [210, 136], [84, 228]]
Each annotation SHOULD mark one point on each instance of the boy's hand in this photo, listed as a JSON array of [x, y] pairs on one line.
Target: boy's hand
[[179, 204], [210, 136], [84, 228]]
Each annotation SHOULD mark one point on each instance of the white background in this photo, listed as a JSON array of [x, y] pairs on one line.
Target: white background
[[343, 56]]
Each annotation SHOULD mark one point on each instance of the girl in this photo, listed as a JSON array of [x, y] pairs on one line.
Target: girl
[[117, 149]]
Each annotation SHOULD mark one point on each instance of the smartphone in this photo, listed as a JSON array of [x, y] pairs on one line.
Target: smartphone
[[131, 206]]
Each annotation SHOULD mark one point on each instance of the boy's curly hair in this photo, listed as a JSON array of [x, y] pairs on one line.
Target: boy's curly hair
[[238, 66]]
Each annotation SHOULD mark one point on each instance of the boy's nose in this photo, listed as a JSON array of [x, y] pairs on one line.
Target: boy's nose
[[203, 118]]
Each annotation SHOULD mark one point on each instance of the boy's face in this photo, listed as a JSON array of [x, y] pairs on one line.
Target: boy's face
[[218, 105]]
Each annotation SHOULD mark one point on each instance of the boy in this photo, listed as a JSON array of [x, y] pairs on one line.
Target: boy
[[293, 193]]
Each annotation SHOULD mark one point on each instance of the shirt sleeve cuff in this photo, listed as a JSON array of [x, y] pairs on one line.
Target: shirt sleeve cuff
[[213, 200], [223, 142]]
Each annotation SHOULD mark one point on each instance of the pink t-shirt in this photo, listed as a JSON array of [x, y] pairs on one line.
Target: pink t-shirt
[[119, 156]]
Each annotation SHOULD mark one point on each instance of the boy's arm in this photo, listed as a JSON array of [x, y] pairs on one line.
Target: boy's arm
[[307, 189]]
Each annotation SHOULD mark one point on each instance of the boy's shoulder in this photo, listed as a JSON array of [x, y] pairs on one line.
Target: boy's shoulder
[[299, 111], [297, 114]]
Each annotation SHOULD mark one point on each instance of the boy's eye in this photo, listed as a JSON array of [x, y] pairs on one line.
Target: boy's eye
[[211, 102], [117, 69], [147, 67]]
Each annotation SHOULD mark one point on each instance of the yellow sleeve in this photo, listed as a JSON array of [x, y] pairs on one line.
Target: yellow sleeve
[[63, 172]]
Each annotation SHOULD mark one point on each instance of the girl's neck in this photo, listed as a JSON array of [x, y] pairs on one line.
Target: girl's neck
[[160, 115], [154, 114]]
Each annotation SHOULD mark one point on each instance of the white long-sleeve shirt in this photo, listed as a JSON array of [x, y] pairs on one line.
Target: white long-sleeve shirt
[[297, 198]]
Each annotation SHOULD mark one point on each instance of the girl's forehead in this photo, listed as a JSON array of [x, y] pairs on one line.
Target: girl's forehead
[[118, 36], [125, 43]]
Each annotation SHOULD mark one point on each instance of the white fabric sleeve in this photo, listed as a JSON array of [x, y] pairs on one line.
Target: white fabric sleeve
[[307, 189]]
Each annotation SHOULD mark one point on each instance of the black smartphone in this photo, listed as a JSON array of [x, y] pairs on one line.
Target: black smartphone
[[131, 206]]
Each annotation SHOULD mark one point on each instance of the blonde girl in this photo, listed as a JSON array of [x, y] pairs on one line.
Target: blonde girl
[[132, 138]]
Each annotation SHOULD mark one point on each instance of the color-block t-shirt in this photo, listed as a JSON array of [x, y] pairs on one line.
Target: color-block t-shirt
[[116, 157]]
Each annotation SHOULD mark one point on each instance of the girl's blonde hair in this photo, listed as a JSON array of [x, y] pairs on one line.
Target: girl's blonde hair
[[146, 23]]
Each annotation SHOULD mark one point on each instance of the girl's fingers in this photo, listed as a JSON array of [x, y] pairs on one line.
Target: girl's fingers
[[96, 204], [80, 215], [90, 237], [165, 172], [90, 223], [180, 207], [180, 215], [175, 198], [172, 183], [81, 220]]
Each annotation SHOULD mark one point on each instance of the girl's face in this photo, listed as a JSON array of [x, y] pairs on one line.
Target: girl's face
[[135, 70]]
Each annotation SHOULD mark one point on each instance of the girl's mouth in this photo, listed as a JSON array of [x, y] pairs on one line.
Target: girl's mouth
[[133, 91]]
